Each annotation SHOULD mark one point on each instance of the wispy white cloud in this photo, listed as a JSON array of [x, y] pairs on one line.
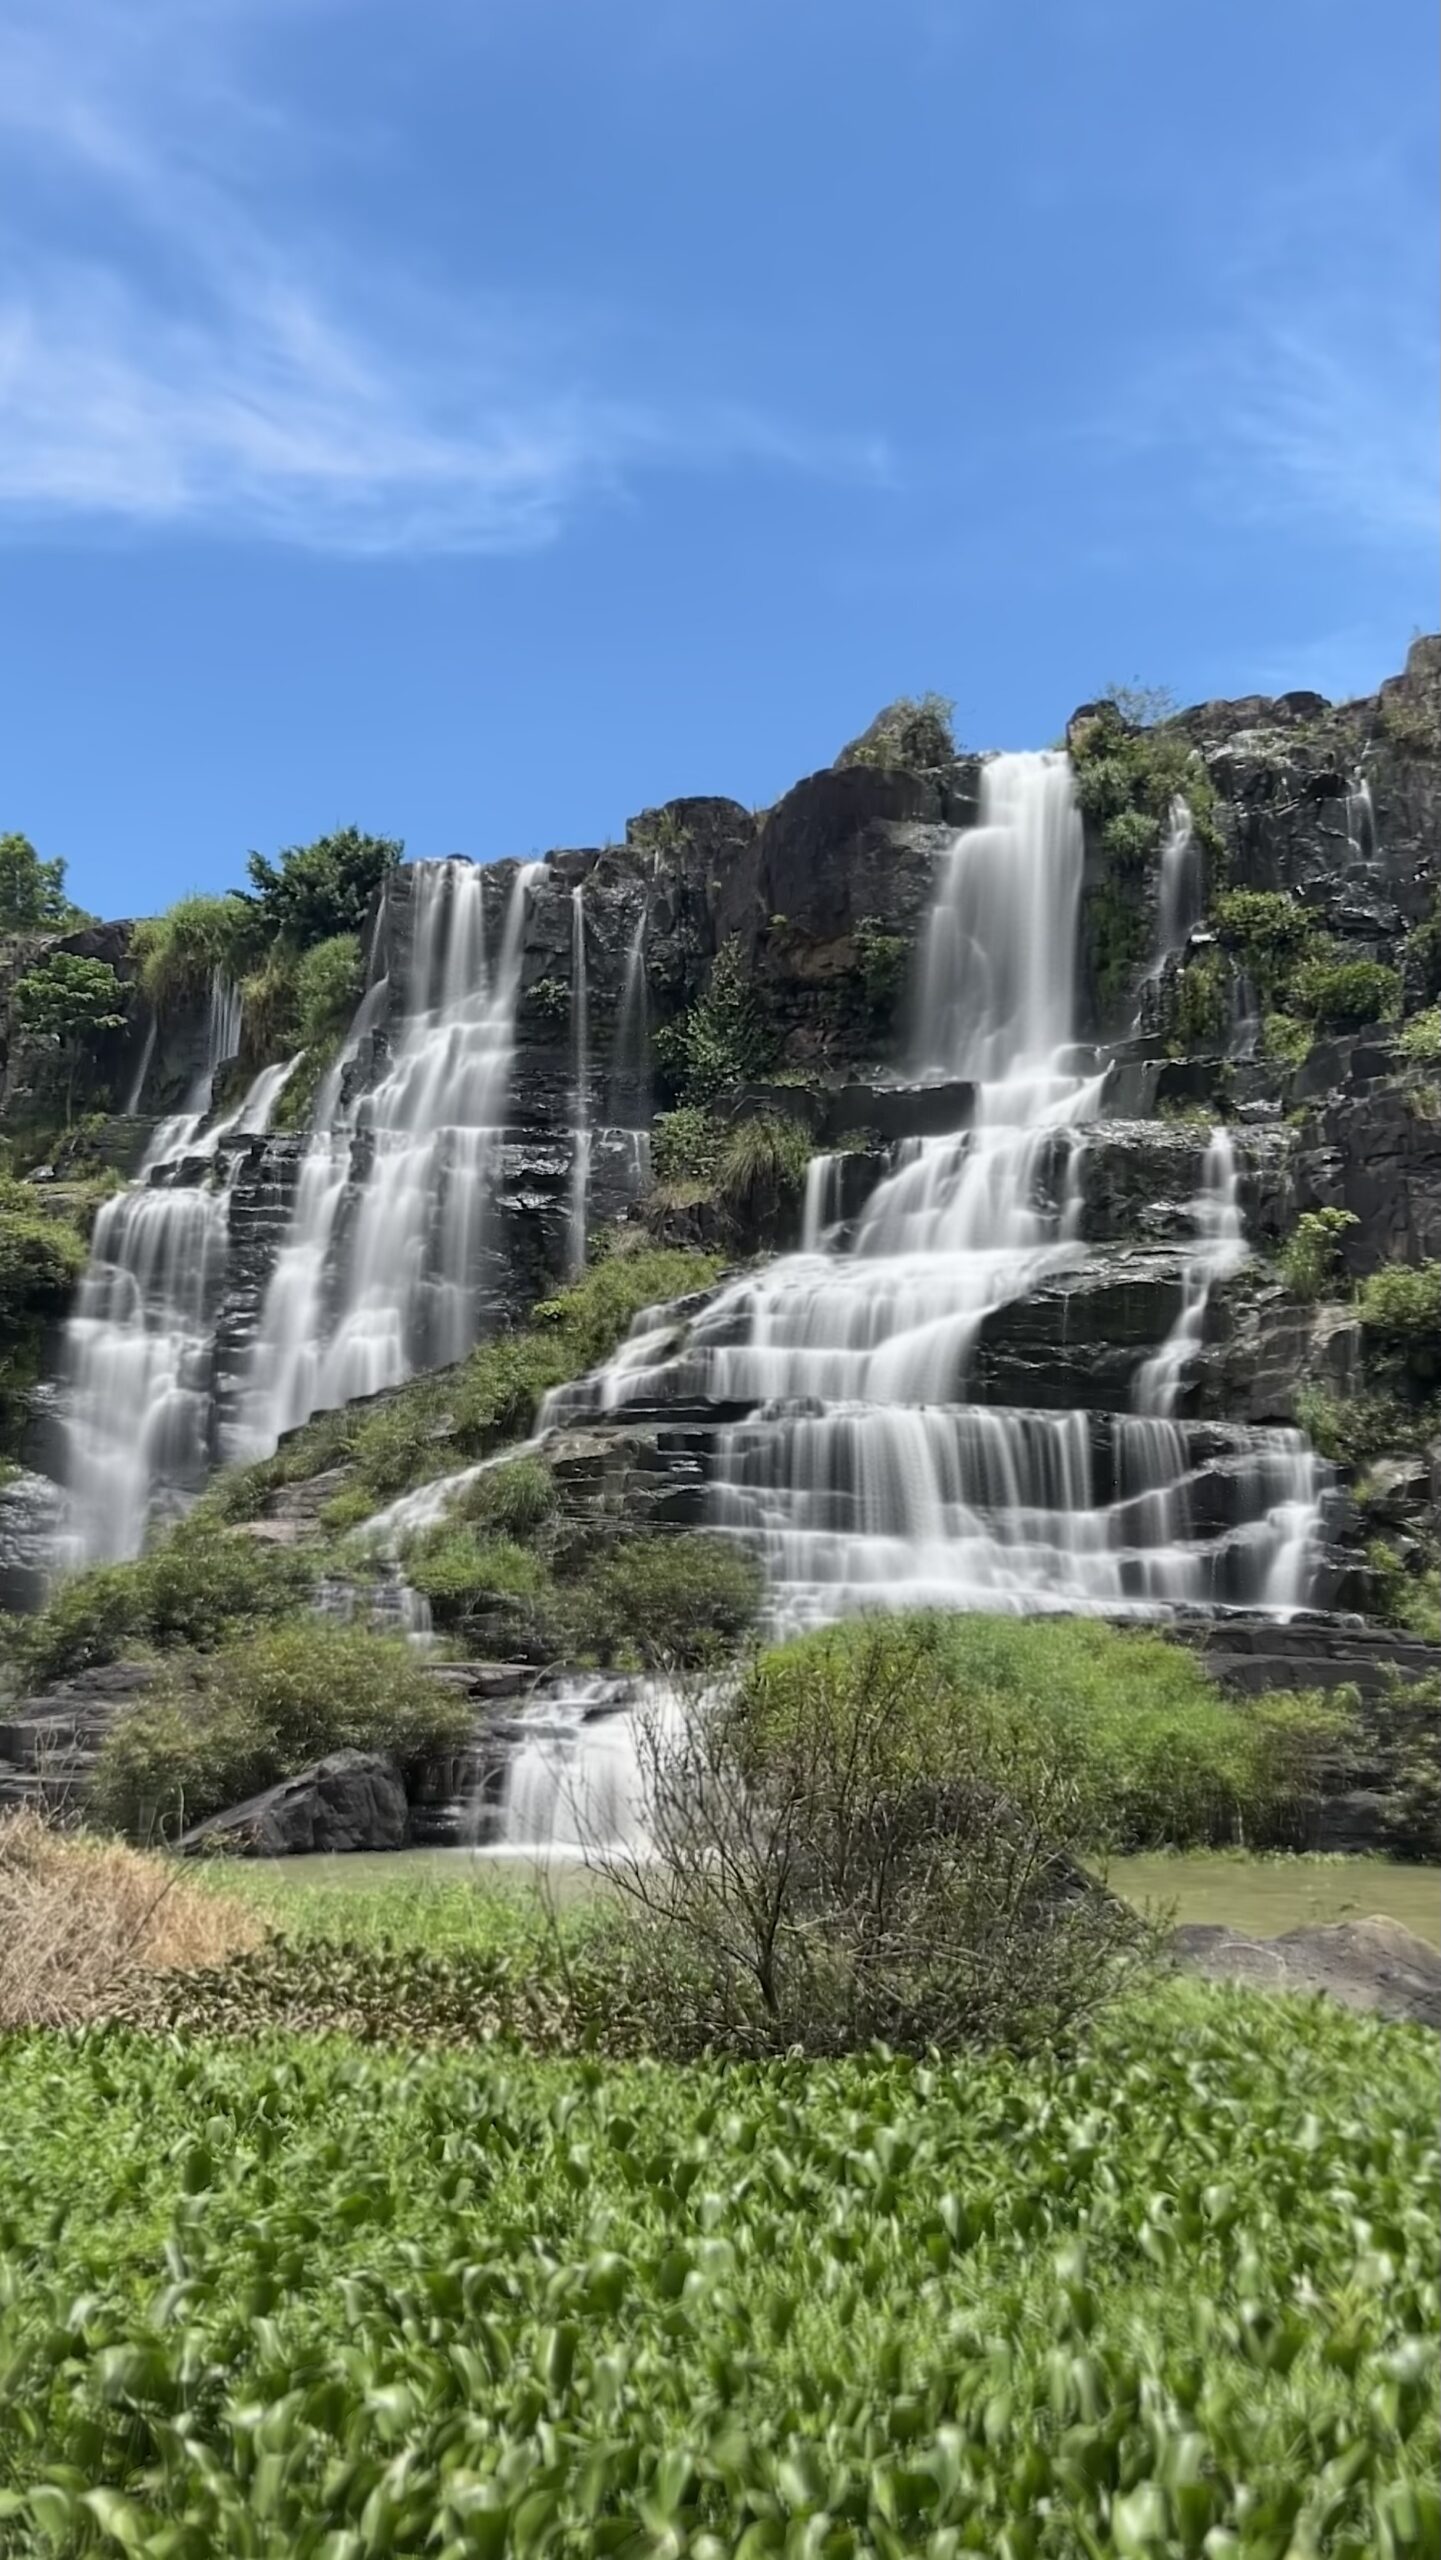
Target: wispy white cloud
[[180, 345], [1314, 394]]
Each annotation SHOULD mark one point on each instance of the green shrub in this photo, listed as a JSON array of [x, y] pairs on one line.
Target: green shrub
[[329, 980], [882, 960], [41, 1258], [263, 1706], [1267, 929], [32, 892], [1151, 1751], [1286, 1040], [1310, 1259], [1351, 1430], [268, 1005], [1343, 995], [1199, 1007], [1410, 1600], [675, 1601], [179, 952], [484, 1585], [1401, 1305], [297, 1100], [762, 1165], [194, 1590], [549, 1000], [723, 1041], [1419, 1040], [513, 1501], [685, 1148], [1404, 1732]]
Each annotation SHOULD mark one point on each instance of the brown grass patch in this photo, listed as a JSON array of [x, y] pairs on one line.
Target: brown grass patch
[[82, 1919]]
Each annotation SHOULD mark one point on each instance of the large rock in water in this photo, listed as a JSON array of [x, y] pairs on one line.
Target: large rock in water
[[349, 1800], [1364, 1964]]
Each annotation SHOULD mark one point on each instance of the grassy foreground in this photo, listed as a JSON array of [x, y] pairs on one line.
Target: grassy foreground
[[1172, 2295]]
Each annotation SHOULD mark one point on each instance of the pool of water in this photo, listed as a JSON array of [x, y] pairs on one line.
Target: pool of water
[[1260, 1895]]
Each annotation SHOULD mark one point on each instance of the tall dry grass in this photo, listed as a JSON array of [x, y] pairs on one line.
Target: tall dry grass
[[82, 1920]]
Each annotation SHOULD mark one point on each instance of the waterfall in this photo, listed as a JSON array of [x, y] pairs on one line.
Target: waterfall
[[1180, 902], [861, 1474], [630, 1078], [176, 1136], [136, 1380], [819, 1207], [135, 1095], [580, 1107], [1219, 1249], [1361, 820], [575, 1778], [382, 1269]]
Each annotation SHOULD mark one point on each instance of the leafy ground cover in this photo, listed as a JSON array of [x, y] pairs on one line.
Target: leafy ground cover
[[1174, 2293]]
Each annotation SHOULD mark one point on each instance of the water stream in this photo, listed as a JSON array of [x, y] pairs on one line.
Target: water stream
[[580, 1104]]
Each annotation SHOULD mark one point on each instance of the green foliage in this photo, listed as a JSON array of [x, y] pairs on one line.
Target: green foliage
[[260, 1707], [329, 980], [1404, 1737], [268, 1004], [685, 1148], [195, 1589], [762, 1165], [71, 1002], [1337, 994], [1310, 1259], [1268, 930], [178, 953], [1401, 1305], [1128, 774], [1419, 1040], [914, 732], [41, 1256], [439, 1421], [1351, 1430], [1199, 1005], [297, 1100], [1170, 2291], [1285, 1040], [32, 892], [549, 1000], [313, 892], [674, 1602], [1408, 1600], [723, 1041], [1153, 1751], [513, 1501], [882, 960]]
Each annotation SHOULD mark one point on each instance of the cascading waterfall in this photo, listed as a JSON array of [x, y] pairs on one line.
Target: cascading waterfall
[[580, 1106], [135, 1096], [1181, 898], [382, 1270], [176, 1137], [860, 1474], [138, 1360]]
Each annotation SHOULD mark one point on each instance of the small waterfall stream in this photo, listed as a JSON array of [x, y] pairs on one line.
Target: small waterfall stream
[[580, 1104]]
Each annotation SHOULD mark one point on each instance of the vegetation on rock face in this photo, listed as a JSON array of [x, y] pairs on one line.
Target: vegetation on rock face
[[1338, 994], [1401, 1306], [197, 1589], [1268, 930], [1112, 2299], [1310, 1259], [219, 1727], [71, 1002], [1419, 1040], [1199, 1006], [313, 892], [444, 1418], [918, 733], [1128, 777], [722, 1041], [1351, 1430], [178, 953]]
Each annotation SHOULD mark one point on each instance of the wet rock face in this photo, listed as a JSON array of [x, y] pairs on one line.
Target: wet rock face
[[1373, 1152]]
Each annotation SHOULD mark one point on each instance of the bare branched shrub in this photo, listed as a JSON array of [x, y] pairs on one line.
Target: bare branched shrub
[[827, 1872], [81, 1919]]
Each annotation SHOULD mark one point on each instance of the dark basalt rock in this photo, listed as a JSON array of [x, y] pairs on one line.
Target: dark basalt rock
[[1375, 1966], [350, 1800], [1371, 1150]]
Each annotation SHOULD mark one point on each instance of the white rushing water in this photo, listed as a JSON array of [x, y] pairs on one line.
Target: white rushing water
[[580, 1103], [1180, 902], [576, 1781], [381, 1271], [861, 1475], [137, 1365]]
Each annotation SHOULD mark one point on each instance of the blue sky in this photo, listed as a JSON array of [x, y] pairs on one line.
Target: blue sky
[[481, 418]]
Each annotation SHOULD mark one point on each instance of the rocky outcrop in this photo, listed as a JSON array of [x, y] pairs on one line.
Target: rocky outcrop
[[1375, 1966], [350, 1800]]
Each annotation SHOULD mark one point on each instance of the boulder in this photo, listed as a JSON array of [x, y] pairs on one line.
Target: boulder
[[349, 1800], [1372, 1965]]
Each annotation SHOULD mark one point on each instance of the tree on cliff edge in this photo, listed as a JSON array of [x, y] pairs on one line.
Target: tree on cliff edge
[[70, 1001]]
